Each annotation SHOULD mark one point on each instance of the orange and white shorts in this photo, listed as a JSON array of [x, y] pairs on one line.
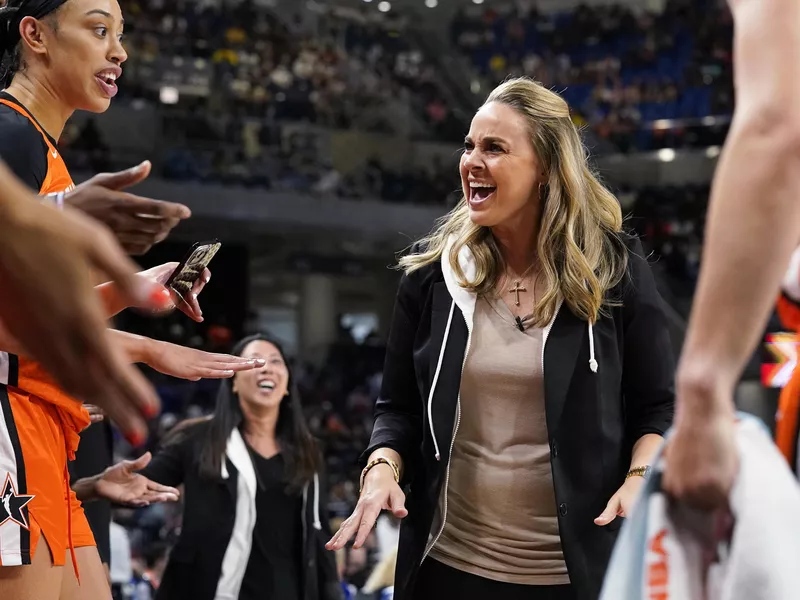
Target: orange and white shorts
[[35, 496]]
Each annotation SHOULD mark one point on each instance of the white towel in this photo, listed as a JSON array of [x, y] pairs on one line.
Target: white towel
[[791, 280], [658, 557]]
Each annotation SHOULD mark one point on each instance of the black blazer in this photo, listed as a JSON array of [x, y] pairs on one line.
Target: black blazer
[[195, 563], [593, 418]]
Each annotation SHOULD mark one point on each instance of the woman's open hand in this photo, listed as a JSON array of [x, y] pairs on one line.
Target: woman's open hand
[[189, 305], [122, 484], [192, 364], [622, 502], [381, 492]]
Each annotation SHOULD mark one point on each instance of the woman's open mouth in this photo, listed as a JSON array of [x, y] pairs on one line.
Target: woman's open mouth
[[480, 192], [107, 80]]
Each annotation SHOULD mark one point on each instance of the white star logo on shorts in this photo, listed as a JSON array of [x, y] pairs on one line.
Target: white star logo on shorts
[[11, 504]]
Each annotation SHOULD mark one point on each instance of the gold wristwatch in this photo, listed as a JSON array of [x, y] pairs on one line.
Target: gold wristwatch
[[643, 472], [381, 460]]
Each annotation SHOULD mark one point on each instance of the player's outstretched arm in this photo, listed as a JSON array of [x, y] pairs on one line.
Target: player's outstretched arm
[[753, 227], [754, 214], [138, 223], [47, 302], [164, 357], [180, 361], [122, 484], [115, 301]]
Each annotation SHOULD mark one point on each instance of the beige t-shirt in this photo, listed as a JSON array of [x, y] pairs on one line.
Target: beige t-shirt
[[501, 520]]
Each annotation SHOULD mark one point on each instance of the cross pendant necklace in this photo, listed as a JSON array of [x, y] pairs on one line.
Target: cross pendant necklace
[[516, 290], [518, 287]]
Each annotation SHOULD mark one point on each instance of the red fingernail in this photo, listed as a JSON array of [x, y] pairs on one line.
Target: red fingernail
[[135, 438], [150, 411], [160, 297]]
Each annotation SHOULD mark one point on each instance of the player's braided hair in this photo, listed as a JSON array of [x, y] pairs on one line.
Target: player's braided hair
[[11, 15]]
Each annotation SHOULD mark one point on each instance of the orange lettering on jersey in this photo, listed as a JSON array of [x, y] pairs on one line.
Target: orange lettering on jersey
[[658, 570], [657, 574], [657, 544]]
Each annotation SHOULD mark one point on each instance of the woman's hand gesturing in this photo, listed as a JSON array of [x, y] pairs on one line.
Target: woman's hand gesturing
[[122, 484], [381, 492], [189, 305], [191, 364]]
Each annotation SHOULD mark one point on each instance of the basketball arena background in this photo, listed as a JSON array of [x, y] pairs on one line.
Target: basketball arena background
[[316, 139]]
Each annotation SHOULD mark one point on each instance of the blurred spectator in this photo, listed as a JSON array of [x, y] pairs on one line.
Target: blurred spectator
[[254, 461], [356, 70], [337, 398], [243, 79], [623, 70]]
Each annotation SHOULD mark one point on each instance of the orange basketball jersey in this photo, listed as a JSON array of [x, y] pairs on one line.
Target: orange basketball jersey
[[58, 178], [40, 425], [787, 419]]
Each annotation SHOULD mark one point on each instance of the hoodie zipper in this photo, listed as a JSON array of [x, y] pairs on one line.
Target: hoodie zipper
[[452, 445]]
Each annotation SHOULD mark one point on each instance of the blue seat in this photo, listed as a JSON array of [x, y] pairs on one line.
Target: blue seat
[[703, 102], [685, 105]]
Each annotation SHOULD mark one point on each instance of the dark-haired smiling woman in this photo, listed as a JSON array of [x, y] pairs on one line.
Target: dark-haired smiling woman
[[255, 520]]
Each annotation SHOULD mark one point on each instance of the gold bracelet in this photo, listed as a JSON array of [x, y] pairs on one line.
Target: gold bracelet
[[639, 472], [379, 461]]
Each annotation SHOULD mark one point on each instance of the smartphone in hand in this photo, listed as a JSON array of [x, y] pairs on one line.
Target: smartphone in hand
[[191, 268]]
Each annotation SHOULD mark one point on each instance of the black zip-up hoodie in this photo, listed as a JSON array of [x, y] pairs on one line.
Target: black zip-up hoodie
[[606, 385]]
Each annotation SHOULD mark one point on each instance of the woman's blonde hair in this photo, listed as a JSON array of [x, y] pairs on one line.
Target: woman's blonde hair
[[581, 251]]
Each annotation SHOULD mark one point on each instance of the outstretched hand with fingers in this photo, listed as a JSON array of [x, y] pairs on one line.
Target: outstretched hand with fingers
[[621, 503], [192, 364], [190, 306], [50, 307], [122, 484], [381, 492], [137, 222]]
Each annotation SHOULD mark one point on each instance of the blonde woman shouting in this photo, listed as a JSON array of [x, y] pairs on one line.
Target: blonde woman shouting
[[529, 373]]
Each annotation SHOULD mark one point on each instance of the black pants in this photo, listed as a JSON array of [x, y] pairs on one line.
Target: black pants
[[437, 581]]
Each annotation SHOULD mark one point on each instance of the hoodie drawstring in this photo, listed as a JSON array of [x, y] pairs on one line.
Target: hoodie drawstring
[[317, 523], [592, 362], [436, 379]]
